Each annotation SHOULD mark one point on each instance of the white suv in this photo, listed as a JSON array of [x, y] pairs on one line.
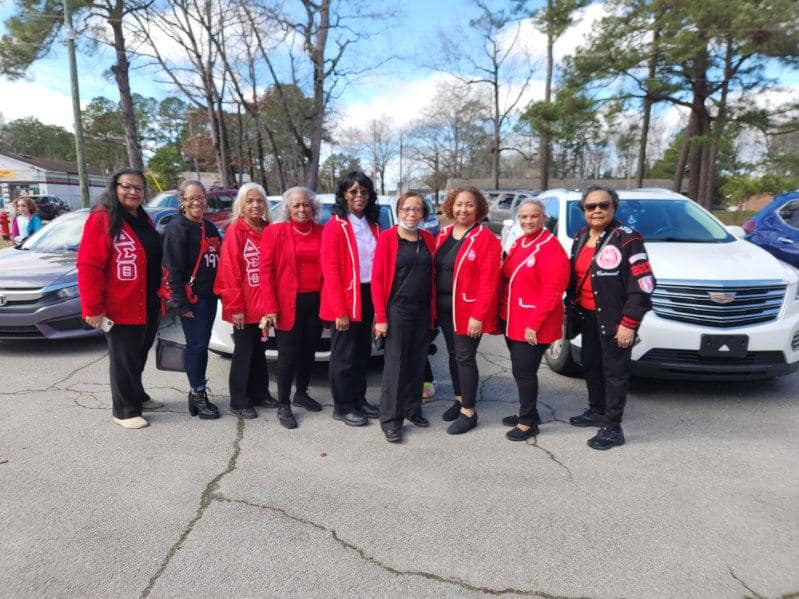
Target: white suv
[[723, 308]]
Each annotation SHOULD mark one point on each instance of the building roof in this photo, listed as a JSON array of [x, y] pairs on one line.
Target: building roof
[[56, 166]]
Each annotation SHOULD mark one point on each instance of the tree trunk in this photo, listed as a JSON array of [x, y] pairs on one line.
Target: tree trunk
[[682, 160], [120, 70], [543, 152], [647, 109]]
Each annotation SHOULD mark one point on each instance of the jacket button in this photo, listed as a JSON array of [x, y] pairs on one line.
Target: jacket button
[[599, 309]]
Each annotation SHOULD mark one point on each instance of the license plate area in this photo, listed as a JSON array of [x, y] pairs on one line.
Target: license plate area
[[723, 346]]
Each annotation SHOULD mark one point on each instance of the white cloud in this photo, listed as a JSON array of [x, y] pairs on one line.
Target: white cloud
[[23, 98]]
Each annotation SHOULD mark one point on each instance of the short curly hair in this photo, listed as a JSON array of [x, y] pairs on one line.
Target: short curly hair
[[32, 207], [482, 203]]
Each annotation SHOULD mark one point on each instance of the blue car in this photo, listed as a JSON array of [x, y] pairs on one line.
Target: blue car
[[776, 228]]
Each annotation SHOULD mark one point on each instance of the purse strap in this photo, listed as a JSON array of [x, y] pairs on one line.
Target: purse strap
[[203, 247]]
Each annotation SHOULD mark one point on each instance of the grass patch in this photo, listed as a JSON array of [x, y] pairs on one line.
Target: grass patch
[[733, 218]]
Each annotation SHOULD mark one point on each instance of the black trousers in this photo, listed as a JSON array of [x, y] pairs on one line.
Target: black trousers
[[462, 351], [404, 364], [525, 360], [607, 370], [350, 351], [296, 348], [249, 377], [128, 346]]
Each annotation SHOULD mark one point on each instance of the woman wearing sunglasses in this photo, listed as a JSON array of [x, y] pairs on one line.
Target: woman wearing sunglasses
[[611, 282]]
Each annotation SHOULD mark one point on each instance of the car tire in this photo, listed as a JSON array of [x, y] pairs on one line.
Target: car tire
[[559, 358]]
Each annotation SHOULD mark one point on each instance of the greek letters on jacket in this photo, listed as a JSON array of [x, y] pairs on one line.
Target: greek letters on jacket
[[238, 279], [621, 277]]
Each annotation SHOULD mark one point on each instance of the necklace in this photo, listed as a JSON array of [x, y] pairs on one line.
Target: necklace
[[532, 240], [308, 232]]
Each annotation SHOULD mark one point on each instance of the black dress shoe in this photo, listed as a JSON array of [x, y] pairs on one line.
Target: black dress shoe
[[246, 413], [606, 438], [463, 424], [511, 420], [285, 416], [267, 401], [452, 412], [354, 418], [419, 420], [393, 435], [200, 406], [588, 418], [369, 410], [302, 399], [517, 434]]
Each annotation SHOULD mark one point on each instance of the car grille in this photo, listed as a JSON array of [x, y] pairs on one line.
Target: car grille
[[690, 357], [748, 302], [26, 332]]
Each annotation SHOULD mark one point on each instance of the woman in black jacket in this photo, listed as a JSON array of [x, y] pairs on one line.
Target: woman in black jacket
[[611, 281], [191, 257]]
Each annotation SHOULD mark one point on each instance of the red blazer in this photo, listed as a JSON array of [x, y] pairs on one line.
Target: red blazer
[[341, 271], [112, 273], [475, 286], [279, 277], [238, 278], [384, 267], [534, 277]]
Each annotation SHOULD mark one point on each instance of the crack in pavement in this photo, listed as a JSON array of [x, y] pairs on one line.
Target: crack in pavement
[[54, 385], [755, 594], [206, 497], [360, 552], [552, 411], [551, 455]]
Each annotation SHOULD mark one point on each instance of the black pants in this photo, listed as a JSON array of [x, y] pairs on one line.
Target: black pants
[[249, 377], [462, 351], [350, 351], [296, 348], [405, 357], [525, 360], [128, 346], [607, 370]]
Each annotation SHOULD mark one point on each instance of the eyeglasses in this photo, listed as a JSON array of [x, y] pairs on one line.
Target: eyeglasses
[[195, 199], [130, 188], [358, 192], [593, 206], [412, 209]]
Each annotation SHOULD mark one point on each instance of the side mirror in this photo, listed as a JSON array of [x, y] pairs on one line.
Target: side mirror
[[736, 231]]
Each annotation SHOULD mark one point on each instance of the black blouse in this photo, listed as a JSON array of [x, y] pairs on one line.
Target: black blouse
[[412, 281]]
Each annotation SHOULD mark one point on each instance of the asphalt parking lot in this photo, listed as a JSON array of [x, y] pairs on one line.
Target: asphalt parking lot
[[703, 501]]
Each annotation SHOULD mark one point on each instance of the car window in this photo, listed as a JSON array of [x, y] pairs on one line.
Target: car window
[[552, 208], [384, 219], [60, 236], [214, 205], [505, 201], [164, 200], [790, 214], [661, 220]]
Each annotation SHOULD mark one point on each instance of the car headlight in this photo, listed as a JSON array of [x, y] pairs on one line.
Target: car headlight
[[68, 292]]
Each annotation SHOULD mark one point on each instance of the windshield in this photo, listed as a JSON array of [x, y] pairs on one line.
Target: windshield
[[60, 236], [661, 220], [164, 200]]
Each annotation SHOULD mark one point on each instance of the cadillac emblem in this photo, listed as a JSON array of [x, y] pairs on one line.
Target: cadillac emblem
[[722, 297], [3, 300]]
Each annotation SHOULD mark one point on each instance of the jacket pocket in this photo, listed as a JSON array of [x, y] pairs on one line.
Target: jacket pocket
[[468, 300], [526, 306]]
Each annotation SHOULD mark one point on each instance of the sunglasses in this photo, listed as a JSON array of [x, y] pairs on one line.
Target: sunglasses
[[594, 205]]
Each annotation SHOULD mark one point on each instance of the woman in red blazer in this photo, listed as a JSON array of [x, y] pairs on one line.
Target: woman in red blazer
[[534, 277], [467, 276], [119, 276], [291, 279], [348, 246], [238, 284], [404, 300]]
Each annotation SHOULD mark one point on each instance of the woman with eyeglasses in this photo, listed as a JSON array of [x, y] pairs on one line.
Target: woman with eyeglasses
[[291, 279], [611, 282], [467, 259], [191, 259], [534, 276], [119, 277], [348, 247], [402, 292], [238, 285]]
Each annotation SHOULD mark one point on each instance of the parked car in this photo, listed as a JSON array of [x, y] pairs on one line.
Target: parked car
[[504, 207], [222, 332], [724, 309], [50, 206], [39, 283], [775, 227], [219, 212]]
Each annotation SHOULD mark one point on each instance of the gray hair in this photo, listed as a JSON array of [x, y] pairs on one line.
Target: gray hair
[[241, 196], [316, 207], [186, 184], [534, 201]]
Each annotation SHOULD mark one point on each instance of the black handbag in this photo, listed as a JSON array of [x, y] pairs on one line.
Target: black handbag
[[169, 355]]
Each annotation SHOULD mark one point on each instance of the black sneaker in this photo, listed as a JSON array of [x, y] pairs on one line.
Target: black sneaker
[[267, 401], [452, 412], [517, 434], [369, 410], [302, 399], [246, 413], [511, 420], [463, 424], [354, 418], [419, 420], [393, 434], [285, 416], [588, 418], [606, 438]]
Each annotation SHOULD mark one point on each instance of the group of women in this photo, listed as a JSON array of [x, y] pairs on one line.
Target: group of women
[[296, 276]]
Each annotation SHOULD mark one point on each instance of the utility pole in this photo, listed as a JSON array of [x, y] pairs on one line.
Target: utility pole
[[80, 153], [400, 178]]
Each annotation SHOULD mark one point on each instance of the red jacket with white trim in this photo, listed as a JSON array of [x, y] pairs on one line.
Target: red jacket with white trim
[[385, 266], [238, 278], [279, 276], [534, 277], [341, 270], [475, 285], [112, 273]]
